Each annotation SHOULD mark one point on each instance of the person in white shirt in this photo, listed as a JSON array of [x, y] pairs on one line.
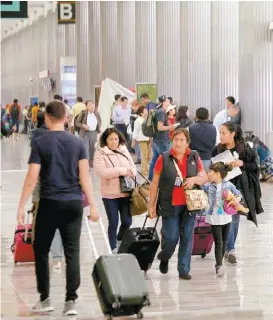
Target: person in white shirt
[[89, 122], [121, 116], [216, 215], [225, 115], [143, 141]]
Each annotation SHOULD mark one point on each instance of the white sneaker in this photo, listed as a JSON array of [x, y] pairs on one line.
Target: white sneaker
[[43, 306], [69, 308], [220, 272], [57, 264], [115, 251]]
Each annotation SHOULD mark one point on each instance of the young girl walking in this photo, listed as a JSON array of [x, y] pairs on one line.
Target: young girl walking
[[218, 215]]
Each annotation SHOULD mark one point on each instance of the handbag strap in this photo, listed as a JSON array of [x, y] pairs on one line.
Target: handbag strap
[[110, 161], [178, 170]]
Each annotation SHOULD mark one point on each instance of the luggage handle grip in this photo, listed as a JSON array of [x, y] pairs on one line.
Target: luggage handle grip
[[92, 238], [154, 229], [26, 229]]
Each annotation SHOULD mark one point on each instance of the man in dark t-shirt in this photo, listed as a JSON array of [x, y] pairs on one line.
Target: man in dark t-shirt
[[60, 160], [161, 139]]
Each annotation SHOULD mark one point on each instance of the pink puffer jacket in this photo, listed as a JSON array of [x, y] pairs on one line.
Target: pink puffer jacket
[[109, 175]]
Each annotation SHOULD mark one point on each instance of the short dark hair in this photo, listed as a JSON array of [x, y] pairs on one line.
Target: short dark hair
[[42, 104], [144, 96], [40, 119], [231, 99], [56, 109], [222, 168], [15, 101], [123, 98], [170, 99], [185, 131], [36, 103], [58, 97], [117, 97], [140, 110], [106, 134], [79, 99], [202, 113], [86, 102], [66, 101]]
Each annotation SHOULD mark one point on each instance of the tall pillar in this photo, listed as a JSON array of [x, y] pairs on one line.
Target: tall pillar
[[256, 65], [168, 48], [126, 42], [224, 52], [145, 35], [109, 37], [195, 54]]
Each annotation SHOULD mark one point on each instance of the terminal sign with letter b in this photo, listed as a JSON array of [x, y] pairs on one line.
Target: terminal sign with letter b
[[66, 12]]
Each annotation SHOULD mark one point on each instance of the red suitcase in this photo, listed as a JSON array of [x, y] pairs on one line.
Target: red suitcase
[[203, 239], [22, 246]]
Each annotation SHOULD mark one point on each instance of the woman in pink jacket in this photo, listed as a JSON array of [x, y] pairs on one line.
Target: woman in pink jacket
[[112, 160]]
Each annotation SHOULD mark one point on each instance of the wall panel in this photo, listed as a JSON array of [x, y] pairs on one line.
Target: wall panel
[[224, 52], [168, 48], [145, 13], [256, 66]]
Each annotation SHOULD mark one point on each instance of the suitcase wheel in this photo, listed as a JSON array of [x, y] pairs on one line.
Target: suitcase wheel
[[203, 255], [12, 248], [140, 315]]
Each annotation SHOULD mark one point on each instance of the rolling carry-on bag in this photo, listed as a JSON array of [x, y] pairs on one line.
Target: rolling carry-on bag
[[142, 243], [203, 239], [119, 282], [22, 246]]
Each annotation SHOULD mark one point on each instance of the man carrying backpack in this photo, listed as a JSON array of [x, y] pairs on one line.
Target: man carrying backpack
[[15, 113], [161, 137]]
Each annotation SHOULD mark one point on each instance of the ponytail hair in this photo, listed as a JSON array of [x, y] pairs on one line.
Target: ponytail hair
[[222, 168], [233, 127]]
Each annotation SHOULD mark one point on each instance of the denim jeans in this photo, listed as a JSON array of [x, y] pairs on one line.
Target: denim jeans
[[137, 151], [113, 208], [206, 164], [178, 226], [233, 232], [158, 149]]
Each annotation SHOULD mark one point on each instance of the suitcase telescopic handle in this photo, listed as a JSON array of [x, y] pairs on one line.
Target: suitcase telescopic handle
[[93, 245], [26, 229], [157, 219]]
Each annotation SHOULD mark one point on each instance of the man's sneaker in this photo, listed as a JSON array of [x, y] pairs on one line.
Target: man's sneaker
[[43, 306], [231, 257], [185, 276], [69, 308], [57, 264], [164, 267], [220, 272]]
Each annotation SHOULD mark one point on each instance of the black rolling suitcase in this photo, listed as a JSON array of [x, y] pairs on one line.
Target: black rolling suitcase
[[142, 243], [119, 282]]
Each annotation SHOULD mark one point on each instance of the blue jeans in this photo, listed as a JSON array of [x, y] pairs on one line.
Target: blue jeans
[[158, 149], [206, 164], [178, 226], [137, 151], [113, 208], [233, 232]]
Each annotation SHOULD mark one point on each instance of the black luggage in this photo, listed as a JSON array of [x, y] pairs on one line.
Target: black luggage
[[119, 282], [142, 243]]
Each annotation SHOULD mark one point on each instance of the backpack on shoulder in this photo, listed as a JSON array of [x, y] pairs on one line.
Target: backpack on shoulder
[[148, 125]]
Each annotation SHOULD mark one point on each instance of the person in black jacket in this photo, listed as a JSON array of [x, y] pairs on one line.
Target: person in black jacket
[[183, 117], [231, 137]]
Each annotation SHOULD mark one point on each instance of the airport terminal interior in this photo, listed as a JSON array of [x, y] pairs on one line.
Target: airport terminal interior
[[211, 55]]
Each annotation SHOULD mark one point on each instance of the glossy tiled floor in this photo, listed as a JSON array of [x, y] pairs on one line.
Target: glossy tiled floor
[[246, 292]]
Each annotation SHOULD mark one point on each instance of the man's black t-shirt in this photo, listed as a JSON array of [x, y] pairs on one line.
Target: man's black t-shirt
[[58, 153], [161, 136]]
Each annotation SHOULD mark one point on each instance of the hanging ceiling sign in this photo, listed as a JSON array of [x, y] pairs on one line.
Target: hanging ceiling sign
[[13, 9], [66, 12]]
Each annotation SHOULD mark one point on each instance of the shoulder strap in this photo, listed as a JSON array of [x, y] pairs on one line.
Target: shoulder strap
[[177, 169], [121, 154], [111, 161]]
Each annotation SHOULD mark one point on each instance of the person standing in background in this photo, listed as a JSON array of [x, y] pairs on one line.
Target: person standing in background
[[145, 99], [121, 116], [171, 116], [182, 117], [89, 123], [15, 115], [117, 102], [230, 112], [35, 111], [133, 117], [204, 136]]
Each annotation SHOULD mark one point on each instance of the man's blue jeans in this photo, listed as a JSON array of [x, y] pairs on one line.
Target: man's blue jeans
[[206, 164], [233, 232], [158, 149], [178, 226], [137, 151]]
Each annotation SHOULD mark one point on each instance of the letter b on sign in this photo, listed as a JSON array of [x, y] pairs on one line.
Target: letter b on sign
[[66, 12]]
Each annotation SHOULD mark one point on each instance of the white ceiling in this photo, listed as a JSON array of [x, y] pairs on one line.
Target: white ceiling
[[35, 8]]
